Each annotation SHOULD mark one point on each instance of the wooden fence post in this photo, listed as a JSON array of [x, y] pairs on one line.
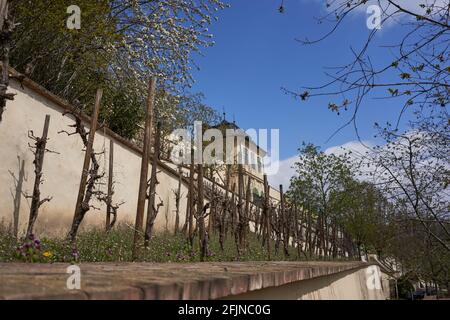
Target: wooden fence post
[[212, 216], [225, 206], [240, 210], [110, 184], [201, 214], [152, 210], [87, 161], [178, 200], [247, 211], [142, 193], [190, 205], [266, 213], [285, 230], [298, 230]]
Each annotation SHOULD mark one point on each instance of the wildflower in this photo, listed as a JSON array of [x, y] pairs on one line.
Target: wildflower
[[180, 256], [75, 254], [47, 254]]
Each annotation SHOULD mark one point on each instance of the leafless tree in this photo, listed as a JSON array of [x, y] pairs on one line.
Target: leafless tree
[[6, 30], [94, 176], [418, 74], [178, 196], [201, 214], [113, 208], [152, 210], [39, 149], [409, 169]]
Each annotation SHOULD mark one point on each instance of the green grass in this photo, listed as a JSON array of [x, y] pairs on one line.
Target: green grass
[[97, 246]]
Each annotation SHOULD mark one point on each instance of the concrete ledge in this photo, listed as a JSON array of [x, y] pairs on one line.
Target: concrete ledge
[[151, 281]]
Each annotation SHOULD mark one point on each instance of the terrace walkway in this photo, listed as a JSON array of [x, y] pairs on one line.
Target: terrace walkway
[[162, 281]]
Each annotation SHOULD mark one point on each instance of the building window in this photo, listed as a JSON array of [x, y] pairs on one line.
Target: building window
[[246, 156], [257, 197], [253, 161], [260, 170], [240, 158]]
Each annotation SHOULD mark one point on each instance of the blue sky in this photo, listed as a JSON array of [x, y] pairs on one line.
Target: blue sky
[[256, 54]]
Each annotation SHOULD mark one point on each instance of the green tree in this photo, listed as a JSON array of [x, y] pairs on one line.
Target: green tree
[[119, 45], [360, 207], [318, 177]]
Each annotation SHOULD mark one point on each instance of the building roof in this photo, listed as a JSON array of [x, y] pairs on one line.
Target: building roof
[[224, 124]]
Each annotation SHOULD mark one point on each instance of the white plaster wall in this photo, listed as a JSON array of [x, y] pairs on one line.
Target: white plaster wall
[[352, 286], [347, 285], [62, 171]]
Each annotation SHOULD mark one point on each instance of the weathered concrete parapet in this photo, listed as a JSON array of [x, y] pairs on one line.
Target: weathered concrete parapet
[[172, 281]]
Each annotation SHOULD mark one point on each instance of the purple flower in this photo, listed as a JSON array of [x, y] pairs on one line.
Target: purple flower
[[180, 256], [75, 253]]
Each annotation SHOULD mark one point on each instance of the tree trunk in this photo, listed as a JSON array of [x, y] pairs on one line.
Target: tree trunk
[[142, 193], [190, 206], [266, 215], [177, 201], [212, 216], [41, 144], [152, 211], [222, 231], [110, 185], [81, 206], [201, 214], [240, 213], [247, 213], [6, 30]]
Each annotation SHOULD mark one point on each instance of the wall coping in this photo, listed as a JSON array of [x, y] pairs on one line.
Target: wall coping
[[150, 281], [65, 106]]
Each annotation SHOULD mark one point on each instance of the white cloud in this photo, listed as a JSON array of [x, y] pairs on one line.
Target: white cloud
[[286, 170], [410, 5], [359, 149], [356, 147], [388, 9], [284, 173]]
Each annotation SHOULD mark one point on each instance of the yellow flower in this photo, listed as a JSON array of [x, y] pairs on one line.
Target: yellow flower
[[47, 254]]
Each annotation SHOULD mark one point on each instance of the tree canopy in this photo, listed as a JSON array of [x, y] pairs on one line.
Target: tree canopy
[[120, 44]]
